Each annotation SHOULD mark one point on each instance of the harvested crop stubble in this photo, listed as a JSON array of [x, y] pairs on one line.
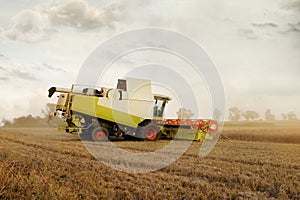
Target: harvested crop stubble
[[50, 165]]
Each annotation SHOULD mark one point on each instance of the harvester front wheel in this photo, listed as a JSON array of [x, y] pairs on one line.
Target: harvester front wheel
[[100, 134], [151, 132]]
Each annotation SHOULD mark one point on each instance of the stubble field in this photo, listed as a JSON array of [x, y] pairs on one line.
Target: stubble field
[[42, 163]]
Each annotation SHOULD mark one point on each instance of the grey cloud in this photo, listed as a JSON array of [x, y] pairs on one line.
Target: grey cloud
[[78, 14], [248, 33], [28, 26], [291, 5], [4, 79], [37, 68], [53, 68], [2, 68], [2, 56], [22, 75], [293, 28], [35, 26], [223, 19], [48, 67], [265, 25], [26, 21]]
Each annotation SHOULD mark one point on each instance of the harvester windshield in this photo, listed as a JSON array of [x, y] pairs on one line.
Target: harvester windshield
[[159, 105]]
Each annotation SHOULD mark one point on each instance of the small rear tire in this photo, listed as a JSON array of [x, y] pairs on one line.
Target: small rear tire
[[100, 134]]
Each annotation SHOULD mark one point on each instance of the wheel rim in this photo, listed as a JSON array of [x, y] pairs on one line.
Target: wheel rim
[[100, 135], [151, 133]]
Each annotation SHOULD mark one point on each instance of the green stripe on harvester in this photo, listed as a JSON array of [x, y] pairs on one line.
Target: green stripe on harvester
[[89, 105]]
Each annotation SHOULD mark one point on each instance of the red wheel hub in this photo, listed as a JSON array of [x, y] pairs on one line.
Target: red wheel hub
[[100, 135], [151, 133]]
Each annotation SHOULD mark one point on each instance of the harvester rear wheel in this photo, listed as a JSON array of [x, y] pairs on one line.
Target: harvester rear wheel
[[100, 134]]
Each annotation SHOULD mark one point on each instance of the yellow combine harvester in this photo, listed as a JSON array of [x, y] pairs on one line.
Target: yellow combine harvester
[[130, 110]]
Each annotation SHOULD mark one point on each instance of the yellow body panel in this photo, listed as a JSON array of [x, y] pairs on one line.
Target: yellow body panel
[[89, 105]]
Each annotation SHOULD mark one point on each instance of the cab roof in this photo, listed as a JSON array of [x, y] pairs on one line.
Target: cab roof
[[161, 97]]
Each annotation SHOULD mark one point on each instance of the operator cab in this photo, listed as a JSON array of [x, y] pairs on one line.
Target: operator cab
[[160, 102]]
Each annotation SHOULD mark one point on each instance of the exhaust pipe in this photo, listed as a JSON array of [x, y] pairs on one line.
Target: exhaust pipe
[[52, 90]]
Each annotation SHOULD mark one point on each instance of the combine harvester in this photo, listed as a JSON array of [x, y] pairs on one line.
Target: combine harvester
[[130, 110]]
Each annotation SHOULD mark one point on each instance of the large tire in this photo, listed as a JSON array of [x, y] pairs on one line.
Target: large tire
[[100, 134], [150, 132]]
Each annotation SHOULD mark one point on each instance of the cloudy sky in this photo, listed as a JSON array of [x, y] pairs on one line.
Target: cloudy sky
[[254, 44]]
